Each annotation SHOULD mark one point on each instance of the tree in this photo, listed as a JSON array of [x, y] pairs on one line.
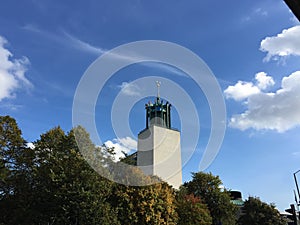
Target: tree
[[67, 189], [207, 187], [51, 183], [191, 210], [129, 159], [15, 171], [256, 212], [11, 142], [11, 146], [144, 205]]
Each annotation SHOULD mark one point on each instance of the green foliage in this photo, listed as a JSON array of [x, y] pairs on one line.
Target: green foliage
[[207, 187], [256, 212], [12, 146], [70, 190], [15, 171], [153, 204], [129, 159], [191, 210], [54, 184]]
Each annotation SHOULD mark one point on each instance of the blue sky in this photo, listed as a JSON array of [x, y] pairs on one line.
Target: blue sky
[[252, 47]]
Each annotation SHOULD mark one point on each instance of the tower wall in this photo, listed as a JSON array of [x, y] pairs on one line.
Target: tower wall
[[159, 154], [145, 151]]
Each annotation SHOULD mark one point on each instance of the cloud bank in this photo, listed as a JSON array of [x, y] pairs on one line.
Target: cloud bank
[[282, 45], [12, 72], [278, 110], [242, 89]]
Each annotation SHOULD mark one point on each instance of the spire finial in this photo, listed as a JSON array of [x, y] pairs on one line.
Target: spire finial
[[158, 86]]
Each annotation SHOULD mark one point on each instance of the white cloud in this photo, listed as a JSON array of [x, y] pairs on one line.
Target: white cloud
[[126, 145], [66, 39], [130, 89], [284, 44], [264, 81], [241, 90], [84, 46], [12, 72], [166, 67], [72, 41], [296, 154], [254, 14], [261, 12], [30, 145], [279, 111]]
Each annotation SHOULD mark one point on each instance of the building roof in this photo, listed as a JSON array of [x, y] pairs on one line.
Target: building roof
[[238, 202]]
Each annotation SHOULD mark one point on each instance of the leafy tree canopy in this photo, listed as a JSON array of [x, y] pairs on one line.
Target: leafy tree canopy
[[256, 212], [52, 183], [191, 210], [207, 187]]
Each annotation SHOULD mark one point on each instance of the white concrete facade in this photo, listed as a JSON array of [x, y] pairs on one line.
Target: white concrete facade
[[159, 154]]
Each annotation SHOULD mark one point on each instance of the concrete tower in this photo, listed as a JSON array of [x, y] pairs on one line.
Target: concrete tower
[[159, 151]]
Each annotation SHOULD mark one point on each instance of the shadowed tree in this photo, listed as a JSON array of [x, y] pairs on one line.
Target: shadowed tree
[[207, 187], [191, 210], [142, 205], [256, 212], [70, 191], [51, 183], [15, 172]]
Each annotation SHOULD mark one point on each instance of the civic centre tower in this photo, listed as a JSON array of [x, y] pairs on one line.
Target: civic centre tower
[[159, 151]]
